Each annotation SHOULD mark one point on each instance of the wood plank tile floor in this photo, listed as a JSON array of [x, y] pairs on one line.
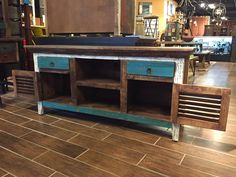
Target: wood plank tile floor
[[61, 144]]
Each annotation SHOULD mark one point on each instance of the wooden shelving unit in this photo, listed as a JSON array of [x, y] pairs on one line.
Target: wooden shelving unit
[[129, 89]]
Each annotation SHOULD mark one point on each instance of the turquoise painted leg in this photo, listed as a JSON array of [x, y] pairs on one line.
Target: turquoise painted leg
[[40, 108], [175, 132]]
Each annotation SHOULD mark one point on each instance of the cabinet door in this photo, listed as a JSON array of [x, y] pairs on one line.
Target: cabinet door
[[205, 107]]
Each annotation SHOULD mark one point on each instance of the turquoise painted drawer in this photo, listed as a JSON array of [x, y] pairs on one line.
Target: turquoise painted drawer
[[146, 68], [59, 63]]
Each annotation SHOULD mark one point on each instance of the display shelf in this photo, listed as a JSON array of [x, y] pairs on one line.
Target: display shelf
[[98, 96], [150, 111], [149, 78], [100, 83], [101, 106], [61, 100]]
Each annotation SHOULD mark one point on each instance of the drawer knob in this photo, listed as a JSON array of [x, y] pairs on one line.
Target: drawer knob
[[149, 71], [52, 64]]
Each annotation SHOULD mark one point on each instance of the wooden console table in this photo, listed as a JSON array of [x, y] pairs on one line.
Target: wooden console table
[[146, 85]]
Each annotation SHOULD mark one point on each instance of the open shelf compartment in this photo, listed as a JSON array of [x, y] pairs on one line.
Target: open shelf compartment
[[103, 74], [55, 87], [151, 99], [99, 98]]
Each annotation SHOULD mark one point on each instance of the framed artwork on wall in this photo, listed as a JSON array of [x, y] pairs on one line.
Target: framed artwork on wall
[[145, 8]]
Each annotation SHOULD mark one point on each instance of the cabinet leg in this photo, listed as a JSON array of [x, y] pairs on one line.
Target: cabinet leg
[[40, 108], [175, 132]]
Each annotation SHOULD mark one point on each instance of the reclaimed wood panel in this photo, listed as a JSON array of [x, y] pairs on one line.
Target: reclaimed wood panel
[[92, 16]]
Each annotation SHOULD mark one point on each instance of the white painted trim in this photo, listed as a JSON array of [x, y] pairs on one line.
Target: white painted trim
[[175, 132], [179, 73], [40, 108], [36, 66]]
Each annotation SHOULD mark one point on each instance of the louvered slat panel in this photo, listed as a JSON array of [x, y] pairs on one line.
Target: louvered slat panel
[[24, 82], [200, 106]]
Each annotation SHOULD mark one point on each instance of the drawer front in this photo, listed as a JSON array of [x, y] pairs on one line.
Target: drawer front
[[146, 68], [58, 63], [8, 47]]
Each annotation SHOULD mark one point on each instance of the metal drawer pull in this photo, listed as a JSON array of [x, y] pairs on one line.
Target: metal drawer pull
[[149, 71], [52, 64]]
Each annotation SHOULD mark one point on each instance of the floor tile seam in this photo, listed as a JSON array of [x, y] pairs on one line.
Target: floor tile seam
[[157, 141], [212, 150], [144, 156], [211, 161], [27, 158], [133, 130], [68, 140], [62, 119], [44, 147], [83, 163], [111, 143], [32, 130], [89, 127], [134, 139], [7, 173], [22, 126], [182, 159], [147, 144]]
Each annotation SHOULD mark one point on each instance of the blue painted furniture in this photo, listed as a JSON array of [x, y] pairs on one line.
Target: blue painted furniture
[[137, 84]]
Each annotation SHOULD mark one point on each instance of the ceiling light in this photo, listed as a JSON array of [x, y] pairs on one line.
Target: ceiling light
[[212, 6], [224, 18], [202, 5]]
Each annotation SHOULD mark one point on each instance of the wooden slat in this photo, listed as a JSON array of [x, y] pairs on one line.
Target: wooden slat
[[25, 89], [200, 98], [199, 112], [25, 86], [199, 107], [199, 102], [197, 116]]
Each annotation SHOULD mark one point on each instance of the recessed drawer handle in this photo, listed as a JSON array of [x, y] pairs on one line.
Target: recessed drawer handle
[[52, 64], [149, 71]]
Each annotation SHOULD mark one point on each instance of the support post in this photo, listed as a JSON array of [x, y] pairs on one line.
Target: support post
[[175, 132]]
